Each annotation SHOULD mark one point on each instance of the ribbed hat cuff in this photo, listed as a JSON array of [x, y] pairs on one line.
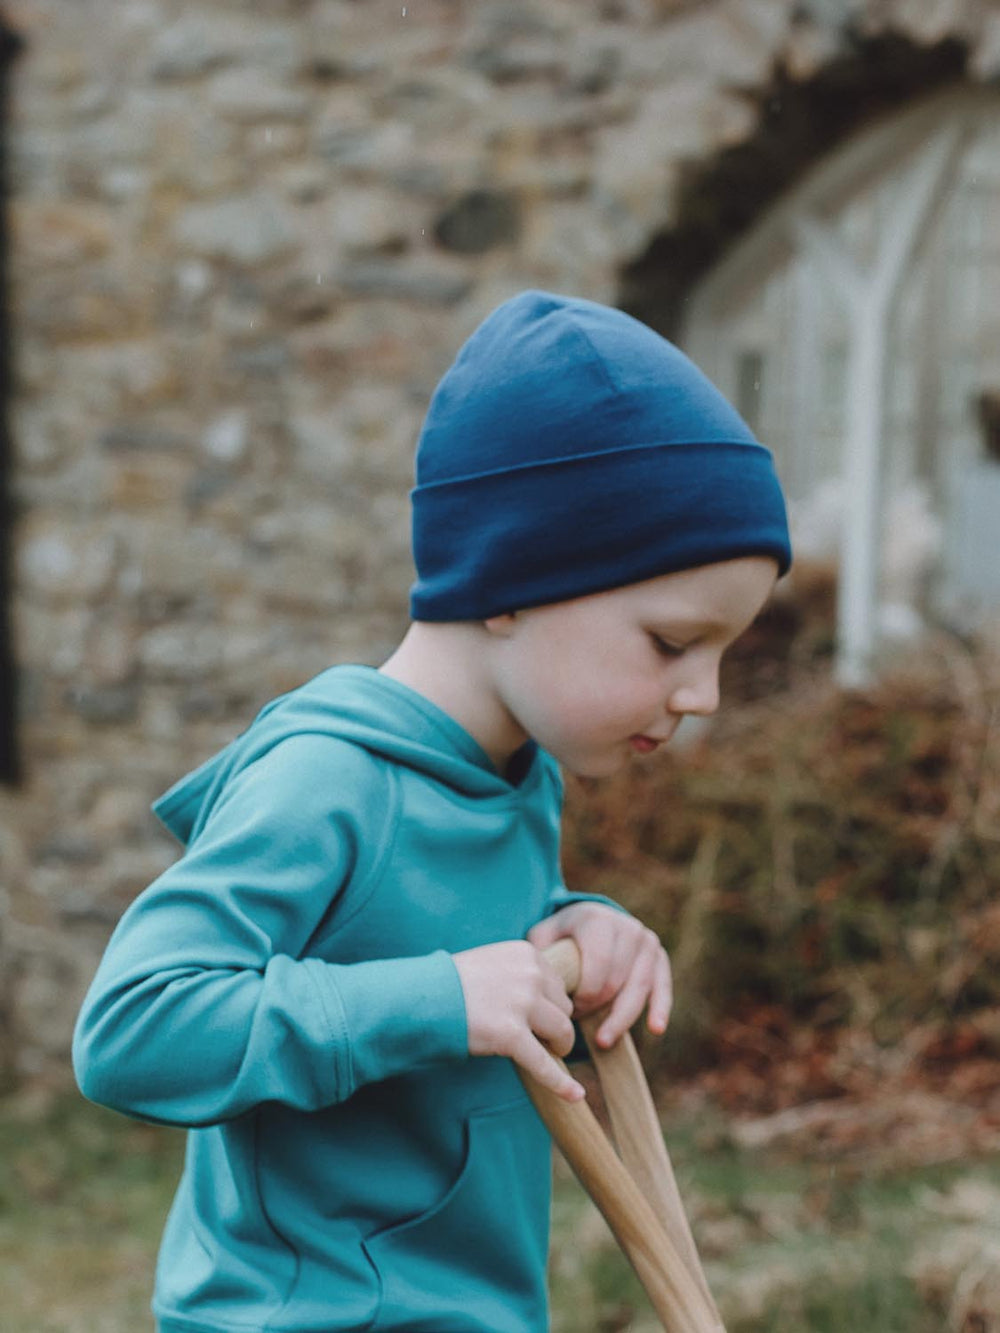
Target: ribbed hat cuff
[[554, 531]]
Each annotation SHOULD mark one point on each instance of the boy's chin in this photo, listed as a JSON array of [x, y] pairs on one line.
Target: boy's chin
[[596, 766]]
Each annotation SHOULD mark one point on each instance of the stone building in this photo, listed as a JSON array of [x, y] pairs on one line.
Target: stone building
[[244, 238]]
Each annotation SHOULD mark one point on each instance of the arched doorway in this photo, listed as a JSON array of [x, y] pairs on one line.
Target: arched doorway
[[856, 326]]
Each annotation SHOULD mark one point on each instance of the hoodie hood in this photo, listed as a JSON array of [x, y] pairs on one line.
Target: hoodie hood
[[359, 705]]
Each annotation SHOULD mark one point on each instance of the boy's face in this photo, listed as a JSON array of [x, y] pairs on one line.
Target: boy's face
[[598, 678]]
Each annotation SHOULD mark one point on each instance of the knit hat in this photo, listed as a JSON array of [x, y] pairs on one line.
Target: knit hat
[[569, 450]]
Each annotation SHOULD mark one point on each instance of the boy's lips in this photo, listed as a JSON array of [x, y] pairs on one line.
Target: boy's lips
[[645, 744]]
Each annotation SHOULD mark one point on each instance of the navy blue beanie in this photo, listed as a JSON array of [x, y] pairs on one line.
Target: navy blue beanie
[[569, 450]]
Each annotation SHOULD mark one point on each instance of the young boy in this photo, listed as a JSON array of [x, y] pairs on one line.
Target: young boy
[[326, 987]]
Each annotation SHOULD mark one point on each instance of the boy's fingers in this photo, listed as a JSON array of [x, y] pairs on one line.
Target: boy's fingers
[[555, 991], [648, 983], [606, 974], [662, 999], [605, 957], [545, 932], [628, 1004], [543, 1068], [625, 975], [553, 1026]]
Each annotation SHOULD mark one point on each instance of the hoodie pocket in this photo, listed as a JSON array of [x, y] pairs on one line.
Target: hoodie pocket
[[477, 1259]]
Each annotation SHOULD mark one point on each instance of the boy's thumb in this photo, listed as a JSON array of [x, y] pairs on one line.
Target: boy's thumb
[[546, 932]]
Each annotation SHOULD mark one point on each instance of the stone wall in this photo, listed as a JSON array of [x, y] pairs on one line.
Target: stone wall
[[247, 238]]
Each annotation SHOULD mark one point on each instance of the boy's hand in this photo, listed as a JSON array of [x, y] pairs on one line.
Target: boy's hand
[[623, 965], [514, 1001]]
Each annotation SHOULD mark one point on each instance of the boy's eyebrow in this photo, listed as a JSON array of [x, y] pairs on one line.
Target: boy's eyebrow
[[687, 622], [695, 625]]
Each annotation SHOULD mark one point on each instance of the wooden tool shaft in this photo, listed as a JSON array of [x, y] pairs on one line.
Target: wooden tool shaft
[[637, 1193], [639, 1139], [673, 1293]]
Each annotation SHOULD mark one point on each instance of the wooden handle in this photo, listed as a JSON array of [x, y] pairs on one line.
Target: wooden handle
[[648, 1222], [564, 959], [639, 1138]]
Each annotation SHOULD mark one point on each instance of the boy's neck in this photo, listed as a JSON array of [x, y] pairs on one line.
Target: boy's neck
[[449, 664]]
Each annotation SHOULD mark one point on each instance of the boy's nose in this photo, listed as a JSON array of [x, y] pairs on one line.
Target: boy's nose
[[699, 695]]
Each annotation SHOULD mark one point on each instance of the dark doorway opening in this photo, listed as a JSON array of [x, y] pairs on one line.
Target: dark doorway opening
[[10, 759], [799, 122]]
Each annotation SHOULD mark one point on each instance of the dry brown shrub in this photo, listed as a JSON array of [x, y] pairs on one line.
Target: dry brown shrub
[[820, 863]]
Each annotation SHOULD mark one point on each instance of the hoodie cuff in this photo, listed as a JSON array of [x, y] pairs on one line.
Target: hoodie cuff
[[561, 897], [394, 1015]]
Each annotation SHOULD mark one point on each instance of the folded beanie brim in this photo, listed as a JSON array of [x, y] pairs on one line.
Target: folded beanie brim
[[557, 529]]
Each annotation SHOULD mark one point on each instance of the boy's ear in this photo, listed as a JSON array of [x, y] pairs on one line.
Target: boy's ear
[[501, 626]]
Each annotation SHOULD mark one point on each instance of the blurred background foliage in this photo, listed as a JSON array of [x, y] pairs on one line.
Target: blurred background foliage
[[822, 864]]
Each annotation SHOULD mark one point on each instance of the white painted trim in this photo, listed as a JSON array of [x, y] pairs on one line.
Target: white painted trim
[[837, 177], [810, 219], [870, 296]]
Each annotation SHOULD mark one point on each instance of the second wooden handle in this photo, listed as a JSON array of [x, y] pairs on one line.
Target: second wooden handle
[[637, 1193]]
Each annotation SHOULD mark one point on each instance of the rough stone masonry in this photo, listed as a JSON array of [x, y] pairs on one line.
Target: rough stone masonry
[[245, 241]]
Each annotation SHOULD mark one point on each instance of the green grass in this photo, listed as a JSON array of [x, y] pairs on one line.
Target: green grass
[[83, 1198], [793, 1246], [790, 1246]]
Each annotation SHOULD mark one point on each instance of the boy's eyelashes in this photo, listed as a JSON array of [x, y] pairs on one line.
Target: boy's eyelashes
[[664, 646]]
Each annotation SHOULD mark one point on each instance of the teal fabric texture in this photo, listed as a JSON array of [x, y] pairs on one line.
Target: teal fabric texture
[[286, 992]]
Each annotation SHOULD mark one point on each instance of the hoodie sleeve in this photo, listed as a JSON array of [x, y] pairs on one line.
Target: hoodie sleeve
[[203, 1005], [561, 897]]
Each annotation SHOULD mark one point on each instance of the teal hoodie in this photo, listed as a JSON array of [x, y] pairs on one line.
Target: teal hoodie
[[286, 991]]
